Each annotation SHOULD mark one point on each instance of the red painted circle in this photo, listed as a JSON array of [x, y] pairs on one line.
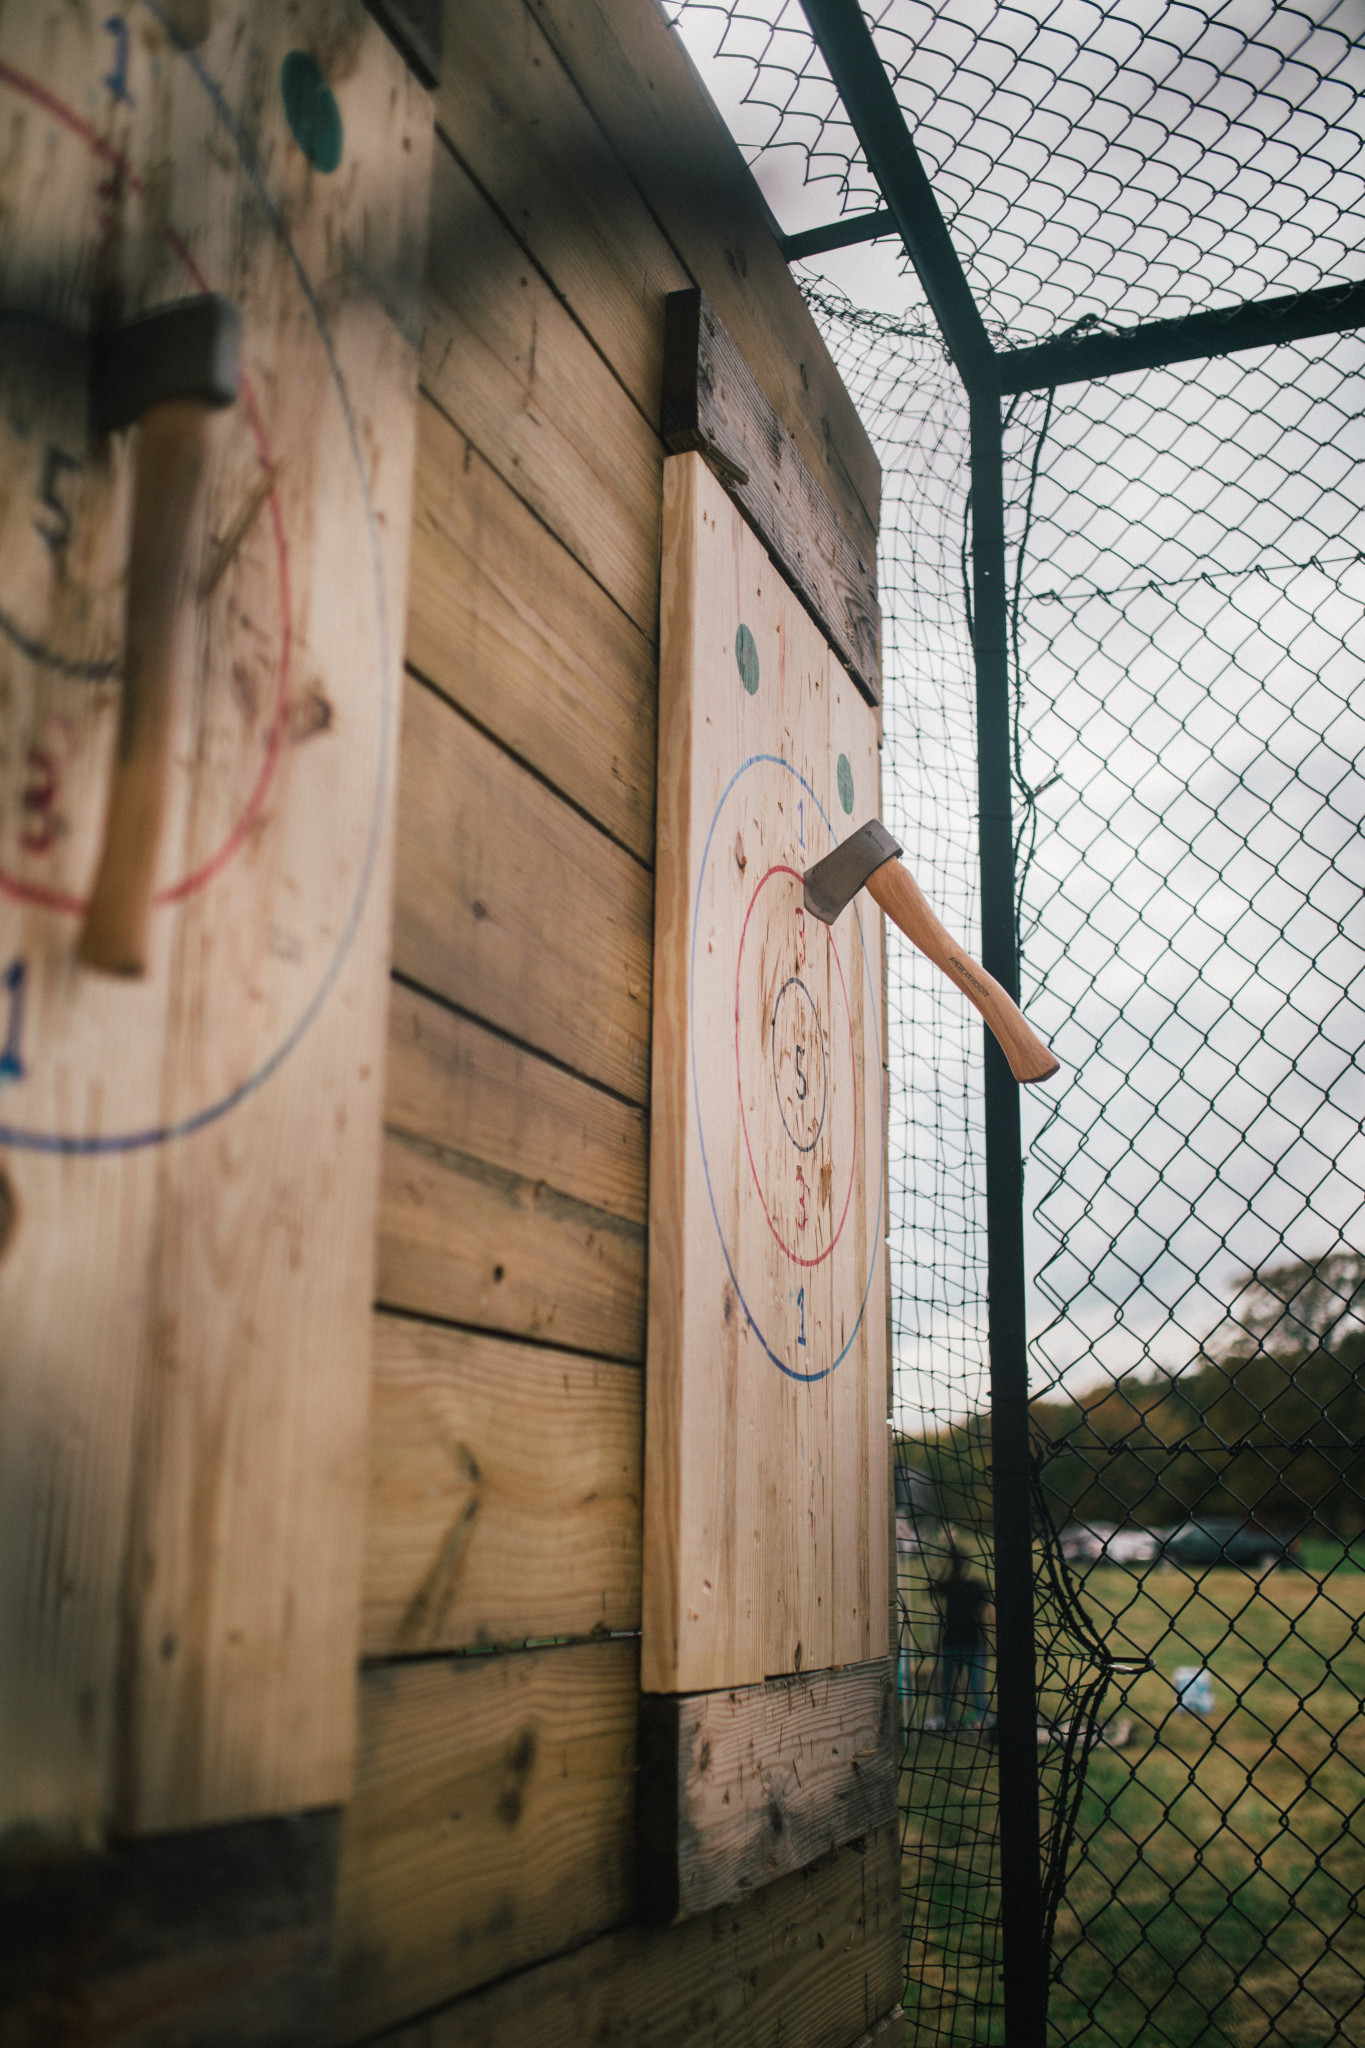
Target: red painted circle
[[795, 1256], [200, 877]]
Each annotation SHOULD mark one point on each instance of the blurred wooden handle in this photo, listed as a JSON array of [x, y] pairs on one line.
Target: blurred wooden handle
[[172, 447], [895, 889]]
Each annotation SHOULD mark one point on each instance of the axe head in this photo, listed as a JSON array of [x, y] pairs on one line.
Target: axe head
[[834, 881], [185, 350]]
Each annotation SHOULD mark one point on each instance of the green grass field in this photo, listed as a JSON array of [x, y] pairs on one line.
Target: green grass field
[[1212, 1888]]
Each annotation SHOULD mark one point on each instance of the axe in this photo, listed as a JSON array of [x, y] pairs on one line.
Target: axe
[[167, 373], [869, 859]]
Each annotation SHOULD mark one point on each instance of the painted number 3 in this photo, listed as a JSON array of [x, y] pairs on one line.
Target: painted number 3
[[801, 1192]]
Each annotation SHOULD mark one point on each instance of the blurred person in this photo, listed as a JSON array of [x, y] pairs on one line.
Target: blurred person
[[964, 1608]]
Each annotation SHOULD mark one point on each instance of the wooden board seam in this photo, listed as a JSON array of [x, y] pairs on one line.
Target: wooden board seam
[[454, 151], [390, 1308], [537, 774], [524, 1646], [501, 1178], [526, 1045], [433, 398]]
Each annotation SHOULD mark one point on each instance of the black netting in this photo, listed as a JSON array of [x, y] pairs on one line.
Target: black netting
[[1186, 562], [1117, 162]]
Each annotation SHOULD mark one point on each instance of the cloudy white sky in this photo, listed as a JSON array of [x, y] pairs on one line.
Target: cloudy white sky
[[1191, 641]]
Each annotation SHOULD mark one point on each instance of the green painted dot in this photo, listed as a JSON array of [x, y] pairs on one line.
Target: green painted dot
[[844, 775], [314, 116], [746, 654]]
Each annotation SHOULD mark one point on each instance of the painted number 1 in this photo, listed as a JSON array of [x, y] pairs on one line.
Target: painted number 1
[[801, 819], [801, 1312], [117, 80], [11, 1066]]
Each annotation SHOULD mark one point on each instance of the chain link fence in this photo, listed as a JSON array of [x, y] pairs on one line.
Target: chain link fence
[[1192, 718], [1185, 554]]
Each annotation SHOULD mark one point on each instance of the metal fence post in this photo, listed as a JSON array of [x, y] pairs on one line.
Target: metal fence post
[[1024, 1963]]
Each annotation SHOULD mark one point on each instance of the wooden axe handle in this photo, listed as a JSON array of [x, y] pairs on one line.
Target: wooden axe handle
[[895, 889], [172, 446]]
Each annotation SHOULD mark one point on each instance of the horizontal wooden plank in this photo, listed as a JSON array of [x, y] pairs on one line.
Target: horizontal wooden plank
[[813, 1960], [636, 76], [519, 122], [456, 1083], [713, 403], [491, 1823], [481, 1529], [468, 1242], [193, 1939], [505, 360], [506, 624], [738, 1788], [513, 907]]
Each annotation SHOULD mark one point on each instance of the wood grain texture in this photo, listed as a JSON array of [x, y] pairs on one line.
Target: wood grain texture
[[514, 907], [455, 1083], [509, 365], [504, 622], [740, 1788], [203, 1938], [468, 1242], [184, 1373], [513, 1193], [636, 76], [505, 1489], [815, 1959], [766, 1468], [491, 1824], [886, 2032], [713, 402], [519, 123]]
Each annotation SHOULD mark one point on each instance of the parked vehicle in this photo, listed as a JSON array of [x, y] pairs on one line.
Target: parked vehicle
[[1132, 1546], [1096, 1542], [1083, 1542], [1223, 1539]]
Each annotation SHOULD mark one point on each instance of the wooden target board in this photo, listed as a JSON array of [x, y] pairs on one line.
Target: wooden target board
[[188, 1160], [766, 1436]]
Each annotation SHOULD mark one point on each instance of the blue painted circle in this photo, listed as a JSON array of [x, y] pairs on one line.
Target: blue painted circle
[[133, 1141], [793, 981], [776, 761]]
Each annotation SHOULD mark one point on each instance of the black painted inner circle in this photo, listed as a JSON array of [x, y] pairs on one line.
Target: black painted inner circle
[[802, 1102]]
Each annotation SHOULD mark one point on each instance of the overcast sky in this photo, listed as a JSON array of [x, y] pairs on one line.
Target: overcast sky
[[1192, 646]]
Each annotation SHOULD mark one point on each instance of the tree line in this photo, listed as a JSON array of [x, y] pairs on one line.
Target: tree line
[[1266, 1423]]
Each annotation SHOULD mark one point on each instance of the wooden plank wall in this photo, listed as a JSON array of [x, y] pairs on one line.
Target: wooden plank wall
[[580, 177]]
